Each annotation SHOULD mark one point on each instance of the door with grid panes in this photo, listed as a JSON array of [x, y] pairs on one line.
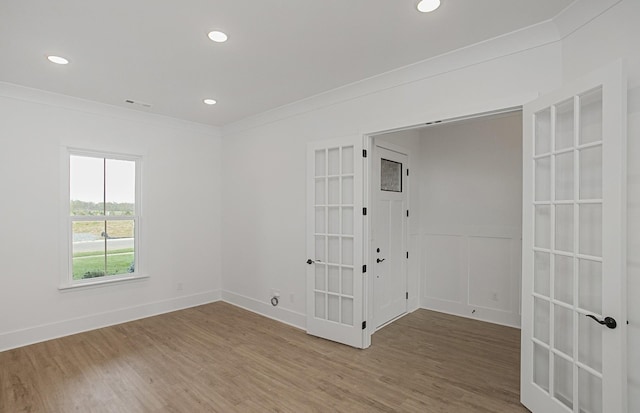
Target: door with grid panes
[[574, 243], [334, 240]]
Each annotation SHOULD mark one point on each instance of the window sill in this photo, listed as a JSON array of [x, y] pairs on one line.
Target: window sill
[[98, 283]]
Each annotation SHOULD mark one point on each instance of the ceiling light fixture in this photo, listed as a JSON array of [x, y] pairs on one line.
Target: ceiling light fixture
[[426, 6], [58, 60], [210, 101], [218, 37]]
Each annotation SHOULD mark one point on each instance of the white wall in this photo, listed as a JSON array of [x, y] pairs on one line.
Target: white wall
[[264, 195], [180, 218], [471, 215], [612, 36]]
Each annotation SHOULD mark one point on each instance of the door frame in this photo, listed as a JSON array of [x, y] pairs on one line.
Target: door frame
[[369, 241], [368, 143]]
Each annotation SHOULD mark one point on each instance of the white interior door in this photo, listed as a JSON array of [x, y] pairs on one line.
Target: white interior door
[[389, 235], [574, 245], [334, 240]]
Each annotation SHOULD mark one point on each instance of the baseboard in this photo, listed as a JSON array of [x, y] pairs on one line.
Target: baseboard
[[31, 335], [480, 314], [265, 309]]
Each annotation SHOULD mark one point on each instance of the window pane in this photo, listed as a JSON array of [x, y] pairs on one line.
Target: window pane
[[88, 249], [120, 247], [86, 185], [390, 176], [120, 182]]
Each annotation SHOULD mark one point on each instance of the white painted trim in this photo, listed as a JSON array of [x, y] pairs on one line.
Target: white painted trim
[[42, 97], [505, 323], [265, 309], [44, 332]]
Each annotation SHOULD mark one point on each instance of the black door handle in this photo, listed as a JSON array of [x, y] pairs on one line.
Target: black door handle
[[310, 261], [378, 260], [608, 321]]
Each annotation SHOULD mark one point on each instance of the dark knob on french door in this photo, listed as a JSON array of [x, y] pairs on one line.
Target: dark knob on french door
[[378, 260], [608, 321]]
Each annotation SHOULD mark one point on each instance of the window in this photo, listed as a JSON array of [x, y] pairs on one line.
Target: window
[[103, 218]]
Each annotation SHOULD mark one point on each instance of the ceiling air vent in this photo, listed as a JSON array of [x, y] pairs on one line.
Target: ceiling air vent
[[138, 103]]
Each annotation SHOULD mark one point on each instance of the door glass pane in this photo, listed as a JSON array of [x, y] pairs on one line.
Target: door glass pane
[[320, 191], [334, 220], [591, 173], [541, 366], [320, 305], [590, 392], [564, 125], [347, 160], [321, 283], [120, 247], [334, 279], [89, 246], [542, 265], [334, 161], [347, 221], [347, 190], [334, 191], [591, 229], [347, 311], [564, 228], [563, 287], [347, 281], [543, 132], [563, 331], [541, 320], [564, 177], [320, 248], [591, 116], [320, 220], [590, 342], [543, 179], [543, 226], [334, 250], [320, 162], [347, 251], [590, 285], [390, 176], [333, 304], [563, 381]]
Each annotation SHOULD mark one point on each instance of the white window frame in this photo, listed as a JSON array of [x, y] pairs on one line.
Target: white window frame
[[66, 250]]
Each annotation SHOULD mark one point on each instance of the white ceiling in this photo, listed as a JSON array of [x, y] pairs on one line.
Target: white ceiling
[[279, 51]]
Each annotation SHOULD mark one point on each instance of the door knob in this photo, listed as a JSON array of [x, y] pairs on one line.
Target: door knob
[[378, 260], [608, 321], [310, 261]]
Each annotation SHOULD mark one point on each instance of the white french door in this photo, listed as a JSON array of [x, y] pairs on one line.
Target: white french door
[[574, 248], [334, 240], [389, 217]]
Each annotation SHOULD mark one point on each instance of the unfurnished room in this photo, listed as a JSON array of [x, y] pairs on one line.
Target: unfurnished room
[[335, 206]]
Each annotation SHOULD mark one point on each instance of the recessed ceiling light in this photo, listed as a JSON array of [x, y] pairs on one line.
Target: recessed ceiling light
[[58, 60], [426, 6], [218, 37], [210, 101]]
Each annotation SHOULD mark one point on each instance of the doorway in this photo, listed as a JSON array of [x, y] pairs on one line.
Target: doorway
[[461, 221]]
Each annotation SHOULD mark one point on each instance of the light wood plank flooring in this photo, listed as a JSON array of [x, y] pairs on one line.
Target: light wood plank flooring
[[219, 358]]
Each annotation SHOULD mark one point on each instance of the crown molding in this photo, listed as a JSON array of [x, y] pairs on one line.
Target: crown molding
[[42, 97]]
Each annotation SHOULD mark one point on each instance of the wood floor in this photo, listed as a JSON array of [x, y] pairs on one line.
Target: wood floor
[[219, 358]]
